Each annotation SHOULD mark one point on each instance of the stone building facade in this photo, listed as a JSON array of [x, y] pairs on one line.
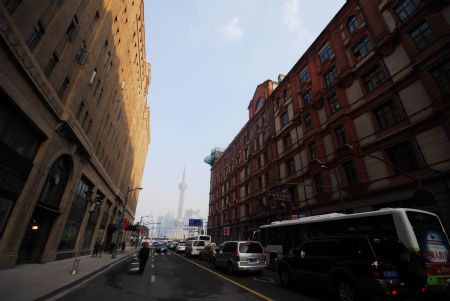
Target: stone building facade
[[74, 125], [359, 123]]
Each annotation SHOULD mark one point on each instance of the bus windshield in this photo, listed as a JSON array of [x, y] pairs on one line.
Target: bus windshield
[[433, 242]]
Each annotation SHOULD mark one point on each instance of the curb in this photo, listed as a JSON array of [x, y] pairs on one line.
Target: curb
[[84, 278]]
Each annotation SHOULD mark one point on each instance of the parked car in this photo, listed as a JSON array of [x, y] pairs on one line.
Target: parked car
[[193, 247], [208, 252], [241, 256], [353, 267], [181, 247], [161, 248]]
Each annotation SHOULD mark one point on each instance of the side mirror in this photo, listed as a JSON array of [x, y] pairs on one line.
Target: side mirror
[[302, 254]]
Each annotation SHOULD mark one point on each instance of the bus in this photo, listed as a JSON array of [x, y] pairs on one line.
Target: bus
[[421, 232], [206, 238]]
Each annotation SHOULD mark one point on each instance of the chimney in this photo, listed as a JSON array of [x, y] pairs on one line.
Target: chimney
[[281, 77]]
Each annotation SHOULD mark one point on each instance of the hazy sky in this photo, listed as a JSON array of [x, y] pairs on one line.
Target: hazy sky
[[207, 58]]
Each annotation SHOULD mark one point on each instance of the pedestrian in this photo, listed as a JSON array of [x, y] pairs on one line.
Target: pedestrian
[[123, 247], [143, 257], [96, 249], [100, 250]]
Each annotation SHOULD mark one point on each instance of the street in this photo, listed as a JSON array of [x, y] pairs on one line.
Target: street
[[169, 276]]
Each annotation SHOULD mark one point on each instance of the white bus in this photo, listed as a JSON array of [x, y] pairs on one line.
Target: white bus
[[206, 238], [421, 232]]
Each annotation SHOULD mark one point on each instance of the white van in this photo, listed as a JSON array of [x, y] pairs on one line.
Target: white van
[[193, 247]]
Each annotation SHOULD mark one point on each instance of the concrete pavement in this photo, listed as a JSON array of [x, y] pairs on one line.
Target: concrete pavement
[[42, 281]]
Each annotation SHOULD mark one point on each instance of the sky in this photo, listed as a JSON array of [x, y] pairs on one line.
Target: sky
[[207, 57]]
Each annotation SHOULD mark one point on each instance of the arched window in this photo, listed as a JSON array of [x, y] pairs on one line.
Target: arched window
[[352, 24], [56, 183], [259, 103]]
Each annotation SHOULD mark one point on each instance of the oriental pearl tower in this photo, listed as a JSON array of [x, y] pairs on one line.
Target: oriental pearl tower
[[182, 187]]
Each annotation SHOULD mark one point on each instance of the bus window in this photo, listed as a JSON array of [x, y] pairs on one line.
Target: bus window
[[273, 236]]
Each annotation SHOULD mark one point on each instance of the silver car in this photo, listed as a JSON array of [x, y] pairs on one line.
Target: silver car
[[241, 256]]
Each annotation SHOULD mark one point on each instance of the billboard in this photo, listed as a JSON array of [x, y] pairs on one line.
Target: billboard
[[195, 222]]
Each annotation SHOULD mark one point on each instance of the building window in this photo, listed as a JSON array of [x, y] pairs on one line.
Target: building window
[[51, 64], [287, 142], [352, 24], [35, 35], [441, 75], [407, 8], [373, 79], [91, 80], [307, 98], [287, 95], [330, 77], [95, 20], [259, 103], [318, 183], [422, 35], [334, 103], [63, 87], [387, 114], [73, 28], [362, 48], [340, 135], [304, 76], [313, 150], [350, 173], [290, 167], [293, 193], [402, 157], [308, 121], [284, 118], [326, 53]]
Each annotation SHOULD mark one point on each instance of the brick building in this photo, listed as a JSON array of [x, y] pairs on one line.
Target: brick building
[[74, 124], [359, 123]]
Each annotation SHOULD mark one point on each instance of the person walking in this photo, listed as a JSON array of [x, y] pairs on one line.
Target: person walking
[[143, 257], [96, 249]]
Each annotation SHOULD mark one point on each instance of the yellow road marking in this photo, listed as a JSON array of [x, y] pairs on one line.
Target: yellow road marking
[[228, 279]]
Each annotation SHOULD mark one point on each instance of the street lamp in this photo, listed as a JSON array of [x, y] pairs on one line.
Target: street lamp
[[122, 215], [92, 206]]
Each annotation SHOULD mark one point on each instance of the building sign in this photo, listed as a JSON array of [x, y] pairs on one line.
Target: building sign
[[226, 231], [278, 200], [195, 222]]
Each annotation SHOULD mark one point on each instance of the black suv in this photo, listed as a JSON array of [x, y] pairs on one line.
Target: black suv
[[354, 267]]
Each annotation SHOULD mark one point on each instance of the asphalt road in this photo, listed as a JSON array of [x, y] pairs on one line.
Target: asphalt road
[[173, 277]]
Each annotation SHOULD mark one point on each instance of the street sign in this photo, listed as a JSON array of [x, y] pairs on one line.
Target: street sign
[[195, 222], [279, 196]]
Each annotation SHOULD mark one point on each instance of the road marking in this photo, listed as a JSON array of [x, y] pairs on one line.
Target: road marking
[[152, 278], [264, 279], [153, 266], [229, 280]]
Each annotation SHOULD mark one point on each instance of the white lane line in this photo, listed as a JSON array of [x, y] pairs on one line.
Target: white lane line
[[152, 278], [153, 266]]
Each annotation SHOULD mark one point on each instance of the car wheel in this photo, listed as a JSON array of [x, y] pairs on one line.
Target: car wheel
[[230, 268], [285, 277], [345, 290]]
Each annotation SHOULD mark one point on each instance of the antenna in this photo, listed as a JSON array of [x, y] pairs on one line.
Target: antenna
[[182, 187]]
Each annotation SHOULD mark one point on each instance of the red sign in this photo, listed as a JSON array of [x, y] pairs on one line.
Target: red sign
[[124, 224], [226, 231]]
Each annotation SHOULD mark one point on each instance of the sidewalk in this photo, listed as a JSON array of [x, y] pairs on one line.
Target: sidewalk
[[41, 281]]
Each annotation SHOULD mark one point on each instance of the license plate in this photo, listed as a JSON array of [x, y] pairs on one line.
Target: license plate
[[390, 274], [252, 260]]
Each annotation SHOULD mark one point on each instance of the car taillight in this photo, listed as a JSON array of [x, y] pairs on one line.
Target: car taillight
[[424, 289], [375, 270], [394, 292], [236, 256]]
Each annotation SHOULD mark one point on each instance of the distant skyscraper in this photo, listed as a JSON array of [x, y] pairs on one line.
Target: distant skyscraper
[[182, 187]]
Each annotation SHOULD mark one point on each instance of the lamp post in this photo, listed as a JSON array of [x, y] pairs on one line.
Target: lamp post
[[122, 215], [92, 206]]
